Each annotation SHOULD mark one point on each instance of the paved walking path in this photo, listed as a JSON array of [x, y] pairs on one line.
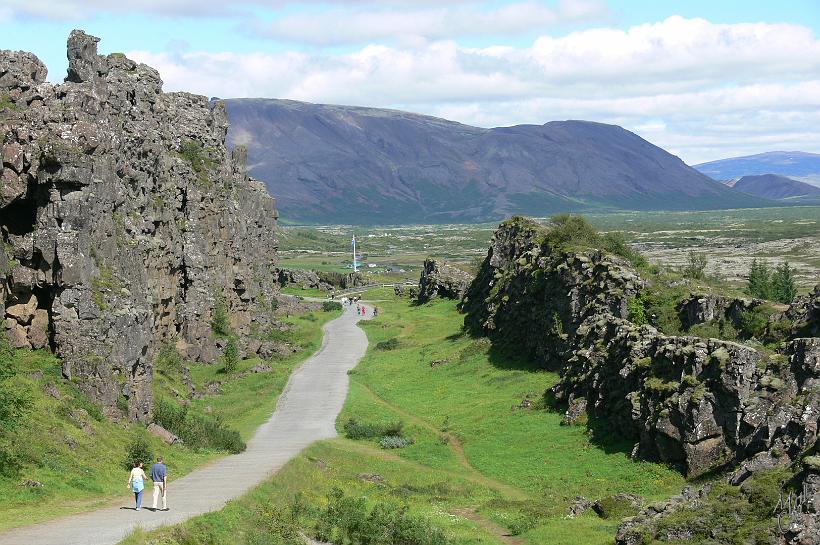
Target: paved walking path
[[306, 412]]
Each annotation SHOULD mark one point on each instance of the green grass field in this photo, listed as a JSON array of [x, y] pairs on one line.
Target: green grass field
[[76, 455], [482, 468]]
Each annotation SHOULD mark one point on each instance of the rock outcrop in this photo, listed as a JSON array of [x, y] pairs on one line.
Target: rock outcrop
[[700, 404], [438, 279], [125, 222], [700, 308], [320, 280]]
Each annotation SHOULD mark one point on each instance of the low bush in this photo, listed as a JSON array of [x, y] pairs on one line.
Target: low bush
[[714, 329], [138, 450], [350, 520], [394, 441], [389, 344], [331, 306], [369, 430], [231, 355], [197, 430]]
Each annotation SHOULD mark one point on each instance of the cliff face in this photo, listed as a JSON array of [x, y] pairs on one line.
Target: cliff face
[[125, 222], [698, 403]]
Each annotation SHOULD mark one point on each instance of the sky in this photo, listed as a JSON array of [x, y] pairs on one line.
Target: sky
[[703, 79]]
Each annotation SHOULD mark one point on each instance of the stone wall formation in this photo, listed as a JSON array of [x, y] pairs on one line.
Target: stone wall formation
[[125, 222]]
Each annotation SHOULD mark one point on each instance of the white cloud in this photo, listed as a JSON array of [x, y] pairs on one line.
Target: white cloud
[[343, 26], [704, 90]]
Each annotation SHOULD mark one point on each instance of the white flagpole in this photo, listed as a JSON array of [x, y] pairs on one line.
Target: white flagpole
[[354, 254]]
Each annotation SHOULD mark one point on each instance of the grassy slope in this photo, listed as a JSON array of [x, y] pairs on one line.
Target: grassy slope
[[479, 468], [80, 471]]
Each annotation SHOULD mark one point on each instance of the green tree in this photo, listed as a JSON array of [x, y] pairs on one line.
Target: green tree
[[783, 286], [219, 319], [695, 265], [760, 280], [231, 355]]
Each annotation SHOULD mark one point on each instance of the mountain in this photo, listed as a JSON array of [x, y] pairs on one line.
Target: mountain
[[342, 164], [797, 165], [773, 186]]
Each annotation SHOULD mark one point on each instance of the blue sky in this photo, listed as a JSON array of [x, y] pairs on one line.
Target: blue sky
[[704, 79]]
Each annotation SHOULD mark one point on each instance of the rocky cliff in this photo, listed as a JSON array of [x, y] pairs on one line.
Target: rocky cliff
[[701, 404], [125, 222], [438, 279]]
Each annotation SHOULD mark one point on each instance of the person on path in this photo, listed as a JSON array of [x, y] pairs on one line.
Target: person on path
[[136, 482], [159, 474]]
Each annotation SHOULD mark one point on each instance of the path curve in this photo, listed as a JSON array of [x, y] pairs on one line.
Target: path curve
[[306, 412]]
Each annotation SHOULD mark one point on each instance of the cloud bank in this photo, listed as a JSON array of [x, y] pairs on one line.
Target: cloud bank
[[702, 90]]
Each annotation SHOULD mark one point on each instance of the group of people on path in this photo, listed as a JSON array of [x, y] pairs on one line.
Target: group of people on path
[[159, 475], [361, 310]]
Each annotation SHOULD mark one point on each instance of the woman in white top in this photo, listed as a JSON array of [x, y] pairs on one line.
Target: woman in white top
[[136, 482]]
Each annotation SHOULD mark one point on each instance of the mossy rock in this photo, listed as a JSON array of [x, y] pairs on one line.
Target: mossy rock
[[812, 463], [616, 507]]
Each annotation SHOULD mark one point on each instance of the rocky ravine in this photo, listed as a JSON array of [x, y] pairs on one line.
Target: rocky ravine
[[125, 222], [700, 404]]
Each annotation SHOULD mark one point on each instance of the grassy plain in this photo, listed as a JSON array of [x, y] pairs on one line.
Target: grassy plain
[[490, 462], [731, 238], [70, 458]]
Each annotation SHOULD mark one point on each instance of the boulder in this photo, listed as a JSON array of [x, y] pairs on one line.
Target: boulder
[[439, 279], [158, 431], [23, 312]]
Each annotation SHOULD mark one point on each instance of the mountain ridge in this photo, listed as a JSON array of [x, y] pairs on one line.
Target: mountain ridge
[[798, 165], [351, 164]]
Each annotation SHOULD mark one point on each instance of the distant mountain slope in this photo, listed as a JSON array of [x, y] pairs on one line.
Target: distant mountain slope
[[338, 164], [798, 165], [773, 186]]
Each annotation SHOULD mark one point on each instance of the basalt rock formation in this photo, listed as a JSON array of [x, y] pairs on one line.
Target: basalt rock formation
[[125, 222], [438, 279], [701, 404], [320, 280]]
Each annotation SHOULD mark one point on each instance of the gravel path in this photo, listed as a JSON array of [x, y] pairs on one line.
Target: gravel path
[[306, 412]]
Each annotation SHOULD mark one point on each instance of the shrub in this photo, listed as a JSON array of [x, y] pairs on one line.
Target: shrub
[[390, 344], [569, 232], [753, 322], [197, 430], [394, 441], [274, 305], [637, 311], [345, 519], [168, 359], [368, 430], [231, 355], [138, 450], [220, 324], [714, 329], [331, 306], [695, 265]]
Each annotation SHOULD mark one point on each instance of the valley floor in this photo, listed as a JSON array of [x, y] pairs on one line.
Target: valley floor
[[68, 458], [484, 458]]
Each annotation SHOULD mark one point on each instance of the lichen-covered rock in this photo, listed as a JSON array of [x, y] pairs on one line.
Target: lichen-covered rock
[[126, 221], [700, 308], [700, 404], [805, 314], [438, 279], [321, 280]]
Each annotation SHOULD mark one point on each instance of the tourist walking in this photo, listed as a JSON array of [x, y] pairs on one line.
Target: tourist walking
[[136, 482], [159, 474]]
